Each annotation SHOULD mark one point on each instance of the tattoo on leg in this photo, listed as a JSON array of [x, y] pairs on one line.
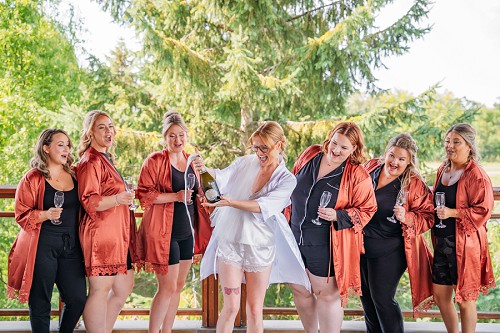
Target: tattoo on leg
[[228, 291]]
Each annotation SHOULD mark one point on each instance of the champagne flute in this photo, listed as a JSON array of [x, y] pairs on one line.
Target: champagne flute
[[323, 201], [440, 202], [191, 180], [58, 203], [131, 186], [400, 201]]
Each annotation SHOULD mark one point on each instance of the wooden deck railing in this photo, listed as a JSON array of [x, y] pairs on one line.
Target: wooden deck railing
[[210, 297]]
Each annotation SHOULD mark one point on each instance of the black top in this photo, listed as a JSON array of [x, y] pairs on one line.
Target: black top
[[450, 196], [69, 215], [181, 228], [382, 236], [305, 202]]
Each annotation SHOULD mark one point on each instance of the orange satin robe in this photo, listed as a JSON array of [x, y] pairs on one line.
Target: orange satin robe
[[28, 204], [357, 197], [474, 205], [156, 226], [419, 210], [107, 236]]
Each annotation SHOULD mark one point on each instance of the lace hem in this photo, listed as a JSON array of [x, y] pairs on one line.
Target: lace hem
[[106, 270], [356, 220], [409, 231], [423, 306], [92, 206], [33, 222], [246, 268], [14, 293], [352, 291], [472, 295], [465, 223], [150, 267], [147, 200]]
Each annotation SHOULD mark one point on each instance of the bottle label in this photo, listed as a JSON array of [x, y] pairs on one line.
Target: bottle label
[[211, 195]]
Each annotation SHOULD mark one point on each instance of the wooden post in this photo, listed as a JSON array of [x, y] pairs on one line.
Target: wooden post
[[210, 301]]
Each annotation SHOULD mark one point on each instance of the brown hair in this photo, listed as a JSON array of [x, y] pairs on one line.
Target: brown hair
[[40, 157], [468, 133], [355, 136], [271, 133], [86, 137], [406, 142]]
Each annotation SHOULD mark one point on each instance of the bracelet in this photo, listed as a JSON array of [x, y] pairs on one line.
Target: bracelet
[[116, 199]]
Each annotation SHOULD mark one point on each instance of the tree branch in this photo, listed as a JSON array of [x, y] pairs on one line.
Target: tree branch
[[312, 10]]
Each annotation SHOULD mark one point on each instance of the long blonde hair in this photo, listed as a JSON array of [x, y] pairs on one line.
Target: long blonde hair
[[405, 141], [86, 137], [271, 133], [40, 158]]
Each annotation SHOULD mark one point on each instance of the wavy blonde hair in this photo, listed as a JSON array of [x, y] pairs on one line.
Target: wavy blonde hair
[[271, 133], [170, 118], [405, 141], [86, 137], [40, 158], [353, 133]]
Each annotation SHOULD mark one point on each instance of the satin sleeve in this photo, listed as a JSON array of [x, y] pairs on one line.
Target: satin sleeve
[[222, 176], [146, 187], [364, 204], [273, 202], [26, 212], [419, 210], [89, 189]]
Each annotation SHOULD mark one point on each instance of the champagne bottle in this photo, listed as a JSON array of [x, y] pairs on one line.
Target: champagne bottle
[[209, 186]]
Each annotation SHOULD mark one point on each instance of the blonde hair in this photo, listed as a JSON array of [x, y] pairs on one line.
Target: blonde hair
[[405, 141], [40, 157], [271, 133], [86, 137], [170, 118], [468, 133], [355, 137]]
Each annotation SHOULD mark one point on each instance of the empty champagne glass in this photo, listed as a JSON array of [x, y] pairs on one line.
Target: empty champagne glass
[[191, 180], [400, 201], [323, 201], [440, 202], [131, 186], [58, 203]]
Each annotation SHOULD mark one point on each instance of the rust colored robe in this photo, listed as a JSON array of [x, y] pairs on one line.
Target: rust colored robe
[[419, 210], [474, 205], [107, 236], [357, 197], [28, 204], [156, 226]]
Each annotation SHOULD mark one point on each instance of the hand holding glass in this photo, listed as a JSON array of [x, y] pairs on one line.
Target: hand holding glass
[[191, 180], [323, 202], [440, 202], [58, 203], [400, 201], [131, 186]]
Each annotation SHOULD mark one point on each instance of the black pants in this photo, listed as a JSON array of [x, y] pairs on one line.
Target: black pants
[[59, 260], [379, 281]]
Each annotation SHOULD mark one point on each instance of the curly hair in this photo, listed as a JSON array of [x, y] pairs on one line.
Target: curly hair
[[40, 158]]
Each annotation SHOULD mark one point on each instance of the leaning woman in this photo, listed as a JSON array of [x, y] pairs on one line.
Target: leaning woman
[[393, 238], [251, 239], [107, 227], [47, 249], [462, 261]]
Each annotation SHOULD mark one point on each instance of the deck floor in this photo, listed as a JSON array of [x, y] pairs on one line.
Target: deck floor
[[270, 326]]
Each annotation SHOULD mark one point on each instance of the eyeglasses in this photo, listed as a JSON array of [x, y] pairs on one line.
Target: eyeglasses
[[263, 149]]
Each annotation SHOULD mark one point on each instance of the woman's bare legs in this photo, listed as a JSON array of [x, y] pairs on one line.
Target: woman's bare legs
[[168, 323], [257, 283], [305, 302], [120, 290], [328, 305], [94, 314], [230, 277], [167, 284], [468, 316], [443, 297]]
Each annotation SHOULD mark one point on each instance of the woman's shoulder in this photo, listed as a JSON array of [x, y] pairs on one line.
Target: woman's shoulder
[[372, 164], [356, 170], [32, 175], [474, 171]]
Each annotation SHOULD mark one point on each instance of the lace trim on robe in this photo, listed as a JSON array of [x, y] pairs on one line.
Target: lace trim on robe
[[472, 295], [148, 198], [106, 270], [465, 223], [17, 294], [92, 206], [423, 306], [356, 220], [33, 222]]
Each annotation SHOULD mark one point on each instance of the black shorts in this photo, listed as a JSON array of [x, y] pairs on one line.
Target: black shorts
[[444, 266], [317, 258], [181, 250]]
